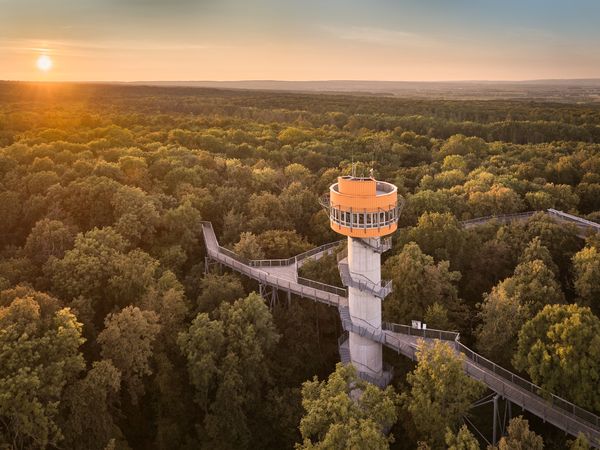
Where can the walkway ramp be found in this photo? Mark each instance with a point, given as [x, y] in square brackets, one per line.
[584, 227]
[550, 408]
[282, 274]
[276, 274]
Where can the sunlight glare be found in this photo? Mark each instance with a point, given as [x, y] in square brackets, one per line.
[44, 63]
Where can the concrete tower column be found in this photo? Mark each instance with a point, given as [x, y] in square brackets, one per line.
[364, 306]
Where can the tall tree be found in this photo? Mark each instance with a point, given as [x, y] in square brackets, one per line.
[462, 440]
[39, 356]
[248, 247]
[48, 238]
[580, 443]
[346, 412]
[440, 392]
[217, 289]
[586, 271]
[520, 437]
[228, 365]
[88, 407]
[515, 300]
[439, 235]
[418, 283]
[128, 341]
[560, 350]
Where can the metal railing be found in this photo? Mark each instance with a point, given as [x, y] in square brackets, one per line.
[381, 246]
[325, 248]
[364, 330]
[566, 415]
[500, 218]
[522, 383]
[362, 283]
[578, 221]
[322, 286]
[430, 333]
[382, 380]
[311, 289]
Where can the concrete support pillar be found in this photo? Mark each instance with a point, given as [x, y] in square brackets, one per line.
[364, 307]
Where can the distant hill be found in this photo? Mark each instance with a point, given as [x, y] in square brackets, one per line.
[554, 90]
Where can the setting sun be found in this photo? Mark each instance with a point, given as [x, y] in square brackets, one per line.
[44, 63]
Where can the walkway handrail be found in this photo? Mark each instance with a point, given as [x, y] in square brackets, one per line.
[498, 217]
[317, 250]
[554, 213]
[430, 333]
[322, 286]
[316, 291]
[507, 375]
[567, 406]
[572, 218]
[508, 384]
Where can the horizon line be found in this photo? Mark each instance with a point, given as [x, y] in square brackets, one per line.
[325, 80]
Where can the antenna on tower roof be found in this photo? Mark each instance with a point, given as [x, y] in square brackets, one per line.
[353, 168]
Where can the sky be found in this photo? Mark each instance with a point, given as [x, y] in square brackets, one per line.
[413, 40]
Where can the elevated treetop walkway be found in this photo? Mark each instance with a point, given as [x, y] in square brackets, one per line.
[584, 226]
[282, 274]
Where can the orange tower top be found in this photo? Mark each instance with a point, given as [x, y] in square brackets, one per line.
[362, 207]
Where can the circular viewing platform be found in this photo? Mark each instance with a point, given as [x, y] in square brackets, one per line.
[362, 207]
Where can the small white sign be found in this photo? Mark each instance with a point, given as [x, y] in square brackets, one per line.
[416, 324]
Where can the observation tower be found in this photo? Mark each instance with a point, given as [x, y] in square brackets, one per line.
[366, 211]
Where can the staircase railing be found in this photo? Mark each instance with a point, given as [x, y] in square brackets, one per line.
[378, 380]
[382, 246]
[362, 283]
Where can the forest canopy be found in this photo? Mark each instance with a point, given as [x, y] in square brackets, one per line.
[115, 334]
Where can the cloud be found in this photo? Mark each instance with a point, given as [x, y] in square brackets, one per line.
[62, 47]
[379, 36]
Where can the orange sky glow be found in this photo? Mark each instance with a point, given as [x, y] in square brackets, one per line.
[381, 40]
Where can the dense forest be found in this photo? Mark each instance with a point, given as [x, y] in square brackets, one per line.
[113, 335]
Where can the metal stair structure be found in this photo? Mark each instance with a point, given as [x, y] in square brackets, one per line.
[359, 281]
[382, 246]
[405, 340]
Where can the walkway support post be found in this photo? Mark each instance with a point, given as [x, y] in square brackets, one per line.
[495, 425]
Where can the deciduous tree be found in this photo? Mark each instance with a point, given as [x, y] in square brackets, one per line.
[520, 437]
[463, 440]
[346, 412]
[440, 392]
[128, 341]
[560, 350]
[418, 283]
[586, 271]
[39, 356]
